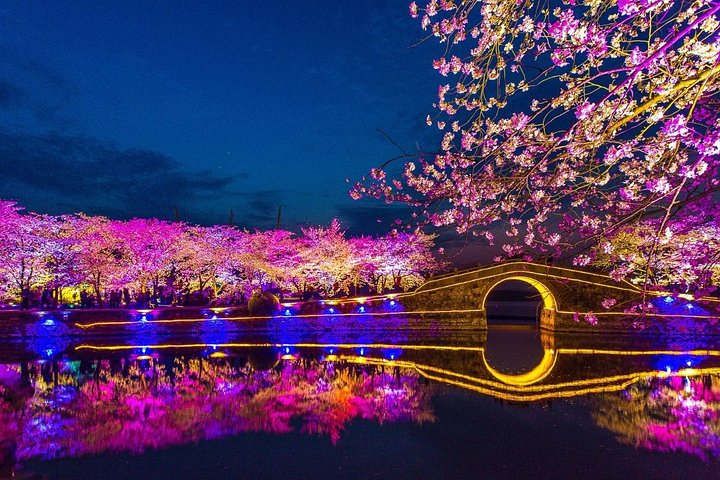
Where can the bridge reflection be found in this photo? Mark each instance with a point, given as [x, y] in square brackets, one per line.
[128, 396]
[567, 366]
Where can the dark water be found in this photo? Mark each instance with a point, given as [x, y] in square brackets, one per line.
[514, 402]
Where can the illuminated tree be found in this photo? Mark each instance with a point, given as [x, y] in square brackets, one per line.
[686, 256]
[149, 249]
[565, 121]
[205, 257]
[145, 256]
[27, 243]
[63, 264]
[265, 257]
[98, 255]
[397, 260]
[326, 258]
[161, 404]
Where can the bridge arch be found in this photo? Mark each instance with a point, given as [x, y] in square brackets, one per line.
[566, 293]
[548, 298]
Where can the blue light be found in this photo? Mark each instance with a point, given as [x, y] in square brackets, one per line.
[214, 317]
[331, 310]
[362, 351]
[668, 299]
[392, 354]
[144, 349]
[49, 352]
[214, 347]
[676, 363]
[690, 306]
[143, 318]
[287, 350]
[49, 322]
[361, 309]
[393, 303]
[287, 312]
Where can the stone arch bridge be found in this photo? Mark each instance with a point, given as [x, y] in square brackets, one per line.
[570, 297]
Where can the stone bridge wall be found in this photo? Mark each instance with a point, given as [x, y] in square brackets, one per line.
[574, 294]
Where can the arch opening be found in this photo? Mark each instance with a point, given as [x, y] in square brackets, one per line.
[546, 296]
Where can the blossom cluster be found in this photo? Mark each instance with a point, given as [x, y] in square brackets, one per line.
[564, 121]
[684, 256]
[151, 256]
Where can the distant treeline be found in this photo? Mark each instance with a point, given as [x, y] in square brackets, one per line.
[47, 258]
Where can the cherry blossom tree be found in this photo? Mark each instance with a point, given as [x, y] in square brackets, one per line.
[264, 258]
[221, 263]
[406, 259]
[563, 122]
[63, 264]
[205, 257]
[150, 248]
[686, 255]
[397, 260]
[326, 258]
[27, 244]
[99, 254]
[194, 399]
[666, 414]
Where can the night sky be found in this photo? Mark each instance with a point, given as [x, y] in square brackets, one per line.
[135, 108]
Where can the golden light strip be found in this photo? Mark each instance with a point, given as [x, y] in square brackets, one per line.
[573, 393]
[241, 319]
[638, 314]
[530, 398]
[411, 312]
[280, 345]
[532, 264]
[556, 386]
[593, 351]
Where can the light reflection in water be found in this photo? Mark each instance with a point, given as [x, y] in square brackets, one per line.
[133, 402]
[513, 349]
[666, 414]
[151, 395]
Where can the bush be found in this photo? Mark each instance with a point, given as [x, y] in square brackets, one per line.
[263, 303]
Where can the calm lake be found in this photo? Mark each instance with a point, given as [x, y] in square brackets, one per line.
[512, 402]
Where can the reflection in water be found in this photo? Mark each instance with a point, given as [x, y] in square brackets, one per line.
[97, 398]
[513, 349]
[71, 408]
[666, 414]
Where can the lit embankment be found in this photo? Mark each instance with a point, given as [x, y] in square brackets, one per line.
[572, 301]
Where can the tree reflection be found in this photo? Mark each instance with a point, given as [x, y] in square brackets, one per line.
[71, 408]
[666, 414]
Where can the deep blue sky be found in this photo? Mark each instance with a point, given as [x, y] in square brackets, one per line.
[132, 108]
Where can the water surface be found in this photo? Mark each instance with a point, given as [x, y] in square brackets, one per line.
[514, 402]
